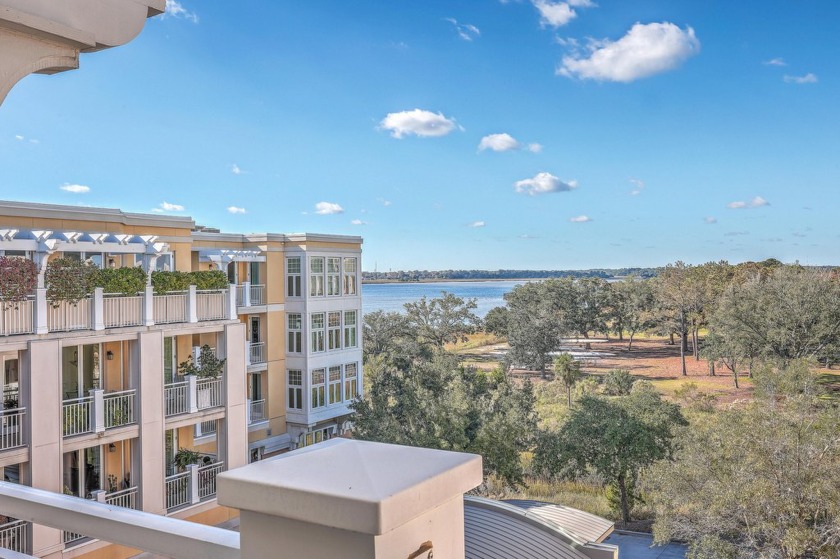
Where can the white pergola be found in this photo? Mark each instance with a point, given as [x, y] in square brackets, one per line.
[222, 256]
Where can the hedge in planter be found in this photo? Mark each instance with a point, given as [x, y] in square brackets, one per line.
[167, 282]
[69, 280]
[128, 280]
[18, 278]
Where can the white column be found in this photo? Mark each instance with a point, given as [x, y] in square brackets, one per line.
[236, 420]
[231, 310]
[147, 375]
[248, 412]
[192, 469]
[98, 308]
[192, 393]
[97, 416]
[41, 311]
[192, 308]
[149, 306]
[98, 495]
[246, 293]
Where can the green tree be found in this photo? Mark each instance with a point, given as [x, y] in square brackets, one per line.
[386, 332]
[583, 304]
[496, 321]
[615, 437]
[618, 382]
[535, 326]
[632, 307]
[759, 480]
[442, 320]
[567, 370]
[677, 299]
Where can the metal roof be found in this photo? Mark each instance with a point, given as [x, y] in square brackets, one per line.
[583, 526]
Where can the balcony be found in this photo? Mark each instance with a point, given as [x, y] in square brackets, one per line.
[196, 484]
[126, 498]
[98, 412]
[14, 535]
[250, 295]
[256, 353]
[256, 411]
[193, 395]
[11, 428]
[98, 311]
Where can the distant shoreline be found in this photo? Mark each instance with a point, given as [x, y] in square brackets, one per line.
[466, 280]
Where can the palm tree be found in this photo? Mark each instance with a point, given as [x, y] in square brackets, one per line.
[568, 371]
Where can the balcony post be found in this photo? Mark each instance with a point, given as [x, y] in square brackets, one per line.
[192, 309]
[248, 410]
[149, 306]
[97, 416]
[192, 393]
[231, 310]
[98, 308]
[193, 477]
[41, 311]
[246, 293]
[98, 495]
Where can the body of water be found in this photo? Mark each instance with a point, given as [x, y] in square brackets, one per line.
[392, 296]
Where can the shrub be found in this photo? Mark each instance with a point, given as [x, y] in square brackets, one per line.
[18, 278]
[129, 280]
[207, 366]
[69, 280]
[167, 282]
[618, 382]
[209, 279]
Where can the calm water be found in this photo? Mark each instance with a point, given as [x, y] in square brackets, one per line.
[391, 296]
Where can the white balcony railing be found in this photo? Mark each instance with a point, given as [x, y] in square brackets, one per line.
[170, 308]
[257, 410]
[210, 305]
[207, 479]
[77, 414]
[17, 318]
[240, 295]
[210, 393]
[70, 537]
[121, 310]
[127, 498]
[178, 490]
[176, 398]
[13, 535]
[256, 353]
[119, 408]
[64, 316]
[11, 428]
[257, 295]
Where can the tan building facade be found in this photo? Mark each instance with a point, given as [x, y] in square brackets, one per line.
[96, 404]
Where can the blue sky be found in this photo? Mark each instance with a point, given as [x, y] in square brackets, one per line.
[460, 134]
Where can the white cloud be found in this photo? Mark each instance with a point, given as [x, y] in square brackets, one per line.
[543, 183]
[645, 50]
[417, 122]
[807, 78]
[358, 222]
[328, 208]
[167, 207]
[236, 170]
[535, 147]
[18, 137]
[75, 188]
[34, 141]
[236, 210]
[498, 142]
[477, 224]
[775, 62]
[384, 202]
[709, 220]
[466, 31]
[175, 9]
[580, 219]
[639, 186]
[756, 202]
[558, 14]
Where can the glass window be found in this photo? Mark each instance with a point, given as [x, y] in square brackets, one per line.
[316, 277]
[293, 277]
[334, 330]
[295, 333]
[317, 332]
[333, 276]
[335, 384]
[318, 388]
[295, 383]
[349, 276]
[351, 381]
[349, 328]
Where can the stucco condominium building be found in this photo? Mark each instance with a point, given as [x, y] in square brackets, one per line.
[94, 403]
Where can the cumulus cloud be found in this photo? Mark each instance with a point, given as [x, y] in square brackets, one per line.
[358, 222]
[477, 224]
[236, 210]
[328, 208]
[75, 188]
[417, 122]
[775, 62]
[167, 207]
[558, 14]
[756, 202]
[535, 147]
[709, 220]
[638, 187]
[645, 50]
[543, 183]
[807, 78]
[506, 142]
[236, 170]
[580, 219]
[466, 31]
[175, 9]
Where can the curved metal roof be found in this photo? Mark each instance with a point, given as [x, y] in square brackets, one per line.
[583, 526]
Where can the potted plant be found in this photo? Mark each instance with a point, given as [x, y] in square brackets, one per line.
[186, 457]
[208, 366]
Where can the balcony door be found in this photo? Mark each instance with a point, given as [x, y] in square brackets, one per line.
[82, 472]
[232, 272]
[10, 386]
[81, 370]
[254, 273]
